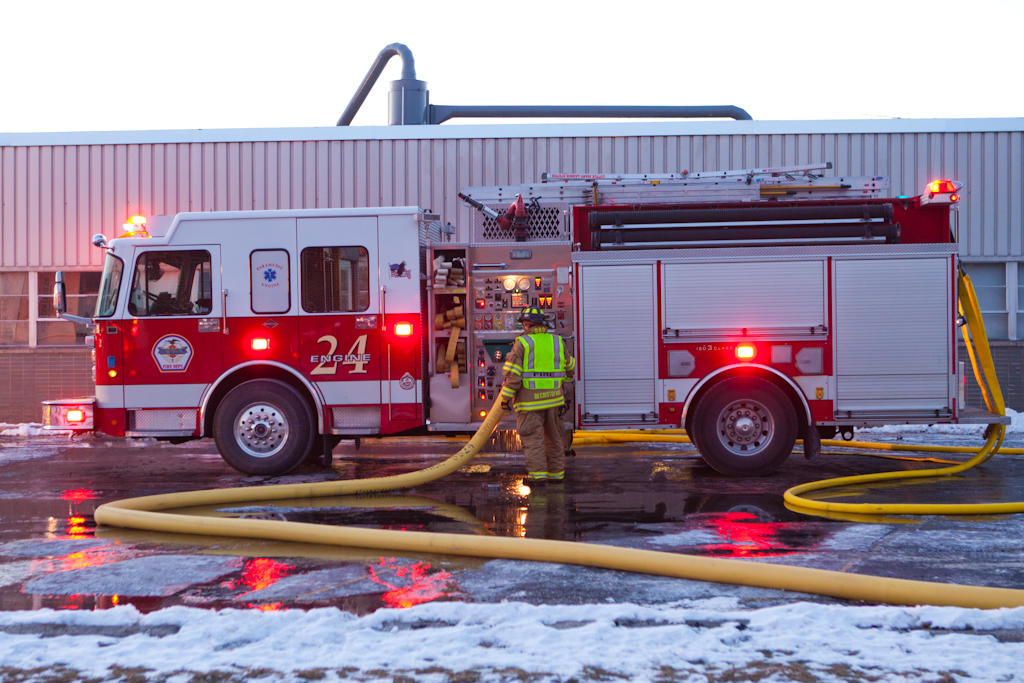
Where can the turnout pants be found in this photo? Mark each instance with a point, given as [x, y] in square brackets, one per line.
[542, 434]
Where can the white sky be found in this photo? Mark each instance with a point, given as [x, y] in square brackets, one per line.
[72, 66]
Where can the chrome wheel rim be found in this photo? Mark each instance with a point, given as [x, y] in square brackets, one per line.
[745, 427]
[261, 430]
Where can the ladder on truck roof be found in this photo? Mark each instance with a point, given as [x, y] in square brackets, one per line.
[743, 185]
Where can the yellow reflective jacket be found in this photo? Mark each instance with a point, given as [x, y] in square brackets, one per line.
[535, 371]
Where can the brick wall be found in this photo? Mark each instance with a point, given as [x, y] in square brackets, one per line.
[30, 376]
[1009, 361]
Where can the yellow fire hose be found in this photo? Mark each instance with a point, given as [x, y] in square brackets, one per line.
[149, 513]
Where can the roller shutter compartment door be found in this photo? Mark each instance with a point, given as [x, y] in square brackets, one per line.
[618, 343]
[892, 335]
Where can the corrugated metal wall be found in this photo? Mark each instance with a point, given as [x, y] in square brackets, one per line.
[56, 196]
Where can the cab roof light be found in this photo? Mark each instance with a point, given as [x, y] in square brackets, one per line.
[138, 220]
[403, 329]
[944, 186]
[745, 352]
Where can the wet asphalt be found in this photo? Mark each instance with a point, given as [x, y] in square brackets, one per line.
[649, 495]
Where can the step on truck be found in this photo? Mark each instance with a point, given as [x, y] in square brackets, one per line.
[752, 308]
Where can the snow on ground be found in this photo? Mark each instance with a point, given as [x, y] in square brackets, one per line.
[28, 429]
[696, 639]
[1015, 427]
[445, 641]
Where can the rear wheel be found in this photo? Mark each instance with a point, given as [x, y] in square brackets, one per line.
[745, 426]
[263, 427]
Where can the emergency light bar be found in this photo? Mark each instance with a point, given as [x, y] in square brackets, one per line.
[135, 227]
[941, 192]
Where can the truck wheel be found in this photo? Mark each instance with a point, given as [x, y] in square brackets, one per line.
[745, 426]
[263, 427]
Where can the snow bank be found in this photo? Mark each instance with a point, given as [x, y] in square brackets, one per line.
[1015, 427]
[508, 641]
[27, 429]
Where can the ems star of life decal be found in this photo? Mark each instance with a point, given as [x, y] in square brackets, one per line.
[172, 353]
[407, 382]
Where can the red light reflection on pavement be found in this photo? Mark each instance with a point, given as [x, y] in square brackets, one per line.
[257, 574]
[748, 535]
[422, 587]
[270, 607]
[78, 495]
[75, 528]
[262, 572]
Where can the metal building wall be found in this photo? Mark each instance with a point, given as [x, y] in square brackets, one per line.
[55, 196]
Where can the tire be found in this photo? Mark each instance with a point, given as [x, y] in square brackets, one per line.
[745, 426]
[263, 427]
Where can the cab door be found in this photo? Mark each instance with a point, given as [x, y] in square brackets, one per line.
[339, 318]
[172, 341]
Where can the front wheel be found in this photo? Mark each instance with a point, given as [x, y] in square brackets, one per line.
[263, 427]
[745, 426]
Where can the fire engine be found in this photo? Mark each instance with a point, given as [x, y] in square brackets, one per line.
[752, 308]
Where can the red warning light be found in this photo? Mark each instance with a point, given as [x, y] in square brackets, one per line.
[745, 352]
[942, 187]
[403, 329]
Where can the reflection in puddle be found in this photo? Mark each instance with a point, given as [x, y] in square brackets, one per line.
[78, 495]
[260, 573]
[419, 585]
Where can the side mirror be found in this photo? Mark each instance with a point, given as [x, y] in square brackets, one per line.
[99, 241]
[60, 297]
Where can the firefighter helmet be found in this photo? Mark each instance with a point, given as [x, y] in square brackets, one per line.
[532, 314]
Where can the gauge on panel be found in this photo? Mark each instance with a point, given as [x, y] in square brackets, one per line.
[524, 283]
[509, 284]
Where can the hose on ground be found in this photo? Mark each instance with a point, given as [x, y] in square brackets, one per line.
[976, 341]
[149, 513]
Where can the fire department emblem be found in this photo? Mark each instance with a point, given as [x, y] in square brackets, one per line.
[172, 353]
[407, 382]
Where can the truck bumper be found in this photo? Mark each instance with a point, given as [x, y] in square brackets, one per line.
[75, 414]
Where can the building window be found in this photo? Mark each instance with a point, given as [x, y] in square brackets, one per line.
[14, 309]
[81, 291]
[335, 279]
[989, 280]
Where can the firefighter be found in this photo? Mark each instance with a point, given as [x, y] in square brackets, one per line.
[534, 373]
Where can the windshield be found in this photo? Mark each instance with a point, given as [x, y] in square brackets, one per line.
[110, 285]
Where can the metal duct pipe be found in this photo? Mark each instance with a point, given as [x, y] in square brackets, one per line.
[439, 113]
[408, 75]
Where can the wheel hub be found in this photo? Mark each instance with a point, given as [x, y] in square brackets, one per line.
[261, 430]
[745, 427]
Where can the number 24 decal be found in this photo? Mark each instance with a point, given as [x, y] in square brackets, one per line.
[328, 364]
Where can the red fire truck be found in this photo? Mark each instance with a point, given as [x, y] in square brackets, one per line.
[750, 307]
